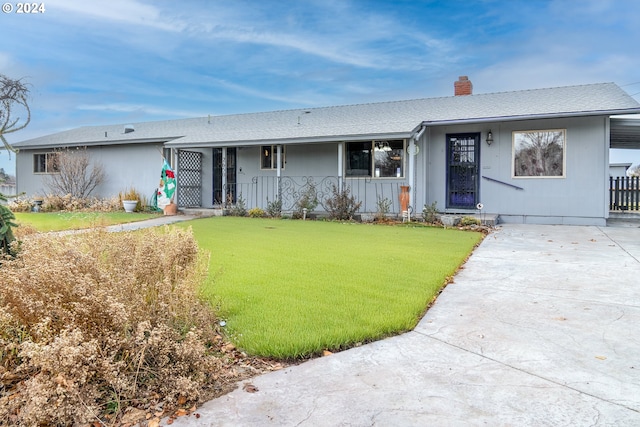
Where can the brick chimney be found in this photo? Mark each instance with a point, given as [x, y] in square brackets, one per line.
[463, 86]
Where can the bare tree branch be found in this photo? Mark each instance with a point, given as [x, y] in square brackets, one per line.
[75, 174]
[13, 93]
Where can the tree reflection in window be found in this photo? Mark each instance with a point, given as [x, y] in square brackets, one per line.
[384, 158]
[538, 153]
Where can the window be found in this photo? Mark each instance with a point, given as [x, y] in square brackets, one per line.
[45, 163]
[358, 159]
[166, 153]
[377, 159]
[539, 153]
[269, 156]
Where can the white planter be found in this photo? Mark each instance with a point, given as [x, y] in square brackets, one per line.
[129, 205]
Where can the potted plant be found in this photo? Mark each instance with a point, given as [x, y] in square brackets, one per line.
[37, 204]
[130, 200]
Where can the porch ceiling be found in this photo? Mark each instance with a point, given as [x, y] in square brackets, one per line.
[625, 133]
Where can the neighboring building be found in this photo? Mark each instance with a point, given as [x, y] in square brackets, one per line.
[532, 156]
[8, 189]
[618, 169]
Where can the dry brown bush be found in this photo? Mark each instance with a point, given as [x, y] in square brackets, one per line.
[93, 323]
[68, 203]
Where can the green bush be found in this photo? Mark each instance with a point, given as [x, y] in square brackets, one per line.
[6, 225]
[429, 213]
[383, 208]
[239, 208]
[274, 208]
[469, 220]
[341, 205]
[308, 200]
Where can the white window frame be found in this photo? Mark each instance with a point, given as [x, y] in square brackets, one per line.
[49, 163]
[272, 151]
[518, 140]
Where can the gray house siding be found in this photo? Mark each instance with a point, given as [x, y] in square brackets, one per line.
[576, 198]
[126, 166]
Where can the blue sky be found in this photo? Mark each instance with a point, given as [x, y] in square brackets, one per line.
[123, 61]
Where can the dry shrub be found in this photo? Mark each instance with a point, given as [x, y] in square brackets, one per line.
[24, 230]
[95, 322]
[67, 203]
[20, 204]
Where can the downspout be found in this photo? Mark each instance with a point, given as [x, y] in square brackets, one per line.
[412, 152]
[340, 165]
[278, 169]
[607, 144]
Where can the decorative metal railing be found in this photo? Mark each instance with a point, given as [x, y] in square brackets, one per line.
[291, 189]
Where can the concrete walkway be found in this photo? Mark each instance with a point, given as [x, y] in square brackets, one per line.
[153, 222]
[540, 328]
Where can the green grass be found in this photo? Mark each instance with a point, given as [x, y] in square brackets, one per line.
[59, 221]
[290, 289]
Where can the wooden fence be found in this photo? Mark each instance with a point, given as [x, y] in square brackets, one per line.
[624, 193]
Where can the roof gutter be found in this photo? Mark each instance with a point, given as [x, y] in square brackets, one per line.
[313, 140]
[417, 136]
[532, 117]
[45, 146]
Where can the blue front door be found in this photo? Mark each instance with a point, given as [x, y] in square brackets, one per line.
[462, 170]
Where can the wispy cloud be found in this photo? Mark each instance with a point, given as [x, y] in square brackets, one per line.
[139, 108]
[95, 62]
[5, 61]
[123, 11]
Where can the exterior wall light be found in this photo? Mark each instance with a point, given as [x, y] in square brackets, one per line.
[489, 138]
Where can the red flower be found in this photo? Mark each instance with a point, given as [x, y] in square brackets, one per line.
[169, 173]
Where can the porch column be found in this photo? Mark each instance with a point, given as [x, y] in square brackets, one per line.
[224, 176]
[340, 164]
[278, 169]
[176, 167]
[411, 173]
[412, 152]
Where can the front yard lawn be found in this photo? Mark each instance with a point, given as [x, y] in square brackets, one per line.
[291, 289]
[58, 221]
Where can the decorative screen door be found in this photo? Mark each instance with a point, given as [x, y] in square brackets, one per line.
[221, 195]
[189, 178]
[462, 170]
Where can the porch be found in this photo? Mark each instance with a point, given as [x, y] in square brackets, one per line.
[291, 191]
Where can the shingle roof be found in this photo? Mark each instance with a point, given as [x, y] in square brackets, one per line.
[395, 118]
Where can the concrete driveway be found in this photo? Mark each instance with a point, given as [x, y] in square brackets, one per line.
[540, 328]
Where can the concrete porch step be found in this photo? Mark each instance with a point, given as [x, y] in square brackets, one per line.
[624, 219]
[453, 219]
